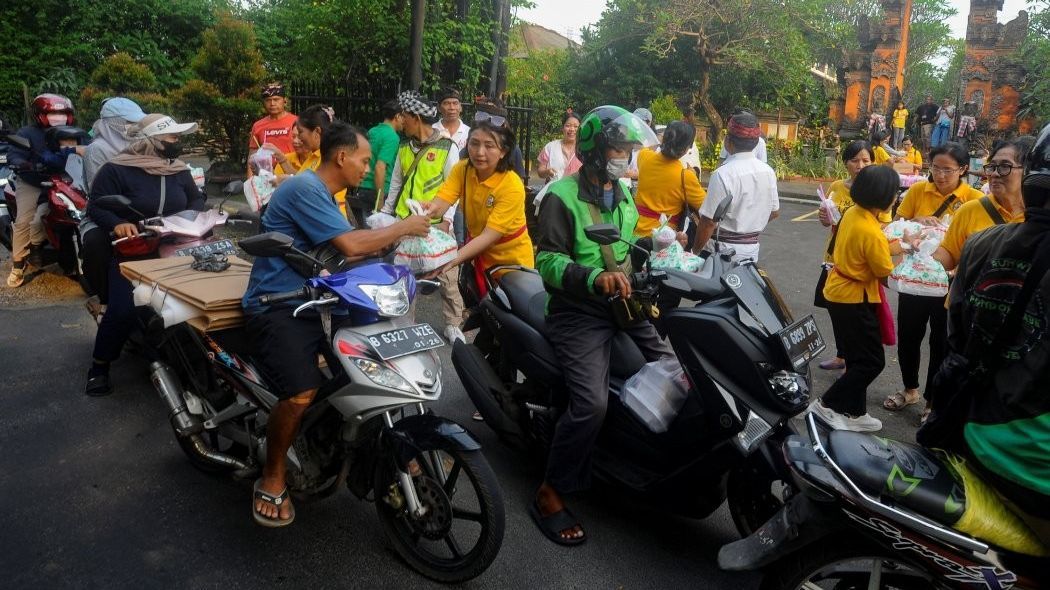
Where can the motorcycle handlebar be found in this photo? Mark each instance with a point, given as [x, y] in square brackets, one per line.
[281, 297]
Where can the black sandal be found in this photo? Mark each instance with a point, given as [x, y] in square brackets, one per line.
[98, 386]
[276, 501]
[552, 525]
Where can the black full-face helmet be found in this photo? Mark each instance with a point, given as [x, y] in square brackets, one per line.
[1035, 187]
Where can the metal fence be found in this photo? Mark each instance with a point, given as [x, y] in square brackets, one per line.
[360, 104]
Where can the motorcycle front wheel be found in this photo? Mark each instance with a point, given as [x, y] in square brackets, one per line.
[844, 562]
[461, 529]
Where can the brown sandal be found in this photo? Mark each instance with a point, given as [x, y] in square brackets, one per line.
[898, 400]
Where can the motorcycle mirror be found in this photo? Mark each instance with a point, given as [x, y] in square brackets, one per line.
[604, 234]
[267, 245]
[233, 187]
[19, 141]
[721, 209]
[118, 204]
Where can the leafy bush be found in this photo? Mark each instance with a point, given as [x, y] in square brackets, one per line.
[665, 109]
[223, 95]
[120, 74]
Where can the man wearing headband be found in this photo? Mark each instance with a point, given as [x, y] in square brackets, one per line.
[423, 162]
[752, 186]
[276, 127]
[450, 108]
[760, 147]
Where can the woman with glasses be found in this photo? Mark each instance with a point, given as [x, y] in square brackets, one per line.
[492, 110]
[929, 202]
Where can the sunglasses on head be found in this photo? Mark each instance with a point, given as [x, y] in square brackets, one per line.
[482, 116]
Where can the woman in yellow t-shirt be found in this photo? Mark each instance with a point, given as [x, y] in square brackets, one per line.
[900, 121]
[290, 163]
[856, 156]
[312, 123]
[664, 186]
[492, 198]
[928, 203]
[862, 260]
[912, 155]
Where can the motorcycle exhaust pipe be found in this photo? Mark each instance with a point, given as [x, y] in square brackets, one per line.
[187, 425]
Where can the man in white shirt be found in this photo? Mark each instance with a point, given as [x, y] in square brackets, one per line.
[760, 147]
[752, 186]
[450, 108]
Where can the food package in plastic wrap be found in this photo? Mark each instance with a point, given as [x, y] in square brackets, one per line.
[423, 255]
[676, 258]
[663, 236]
[655, 394]
[379, 220]
[894, 231]
[919, 273]
[258, 189]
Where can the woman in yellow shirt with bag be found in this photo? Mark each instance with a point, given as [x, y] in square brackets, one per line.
[492, 198]
[927, 203]
[664, 186]
[862, 260]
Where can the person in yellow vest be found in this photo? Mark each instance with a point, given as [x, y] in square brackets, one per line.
[424, 160]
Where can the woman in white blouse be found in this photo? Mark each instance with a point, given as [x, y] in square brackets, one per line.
[558, 158]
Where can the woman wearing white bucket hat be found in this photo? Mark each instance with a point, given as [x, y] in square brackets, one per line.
[149, 173]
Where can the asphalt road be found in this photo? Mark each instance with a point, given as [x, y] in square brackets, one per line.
[96, 493]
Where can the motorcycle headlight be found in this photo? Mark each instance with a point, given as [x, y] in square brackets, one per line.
[71, 209]
[383, 376]
[790, 388]
[392, 300]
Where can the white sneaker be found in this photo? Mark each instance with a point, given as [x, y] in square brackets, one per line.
[17, 277]
[453, 333]
[839, 421]
[828, 416]
[865, 423]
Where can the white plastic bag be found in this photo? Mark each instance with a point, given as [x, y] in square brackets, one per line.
[675, 257]
[919, 273]
[656, 393]
[663, 236]
[258, 189]
[379, 220]
[829, 207]
[261, 160]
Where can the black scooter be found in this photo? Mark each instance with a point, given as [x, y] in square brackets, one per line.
[743, 353]
[871, 512]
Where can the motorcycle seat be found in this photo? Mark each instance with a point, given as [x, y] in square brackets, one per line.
[910, 475]
[528, 301]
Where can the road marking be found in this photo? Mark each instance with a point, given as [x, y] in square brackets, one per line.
[806, 216]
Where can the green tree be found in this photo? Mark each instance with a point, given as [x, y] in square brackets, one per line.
[121, 75]
[746, 39]
[1033, 56]
[223, 95]
[42, 38]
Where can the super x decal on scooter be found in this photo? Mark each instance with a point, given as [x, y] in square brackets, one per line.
[981, 576]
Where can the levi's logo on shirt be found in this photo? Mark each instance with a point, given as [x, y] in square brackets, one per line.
[273, 132]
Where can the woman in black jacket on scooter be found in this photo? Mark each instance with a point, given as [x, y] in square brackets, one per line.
[150, 174]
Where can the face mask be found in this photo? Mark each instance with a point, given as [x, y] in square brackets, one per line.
[617, 168]
[56, 119]
[169, 149]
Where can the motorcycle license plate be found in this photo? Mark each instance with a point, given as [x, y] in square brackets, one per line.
[220, 246]
[402, 341]
[802, 341]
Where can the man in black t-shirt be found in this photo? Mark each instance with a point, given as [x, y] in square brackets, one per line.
[927, 114]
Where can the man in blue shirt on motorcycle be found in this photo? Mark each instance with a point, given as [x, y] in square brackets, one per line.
[304, 208]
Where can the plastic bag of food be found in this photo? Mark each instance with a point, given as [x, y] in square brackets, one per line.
[663, 235]
[894, 231]
[828, 206]
[919, 273]
[656, 393]
[423, 255]
[261, 161]
[258, 189]
[379, 220]
[676, 258]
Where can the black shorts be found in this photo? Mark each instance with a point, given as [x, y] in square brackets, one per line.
[288, 348]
